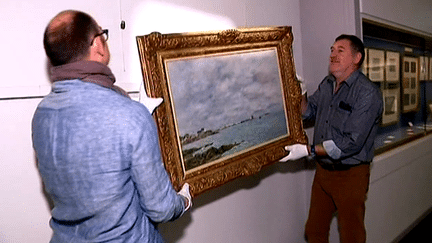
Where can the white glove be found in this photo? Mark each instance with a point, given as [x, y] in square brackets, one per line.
[150, 103]
[296, 151]
[185, 192]
[302, 85]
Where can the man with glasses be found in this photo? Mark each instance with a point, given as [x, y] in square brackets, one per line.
[97, 150]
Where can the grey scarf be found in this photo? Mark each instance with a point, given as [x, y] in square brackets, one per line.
[87, 71]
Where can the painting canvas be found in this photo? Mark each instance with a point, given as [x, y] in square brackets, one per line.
[231, 101]
[235, 102]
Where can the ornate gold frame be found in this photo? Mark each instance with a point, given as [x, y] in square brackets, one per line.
[155, 49]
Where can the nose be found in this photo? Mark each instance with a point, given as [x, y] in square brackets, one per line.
[332, 54]
[332, 58]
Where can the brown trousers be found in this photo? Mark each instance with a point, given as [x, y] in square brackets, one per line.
[343, 192]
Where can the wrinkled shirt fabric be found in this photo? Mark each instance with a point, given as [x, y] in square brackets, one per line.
[99, 159]
[346, 122]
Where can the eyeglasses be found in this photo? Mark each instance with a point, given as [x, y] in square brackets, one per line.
[104, 34]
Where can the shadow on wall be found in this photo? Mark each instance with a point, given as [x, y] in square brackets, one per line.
[168, 18]
[173, 231]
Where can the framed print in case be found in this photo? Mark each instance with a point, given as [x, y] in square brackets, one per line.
[391, 106]
[430, 68]
[410, 84]
[392, 66]
[424, 67]
[365, 63]
[376, 65]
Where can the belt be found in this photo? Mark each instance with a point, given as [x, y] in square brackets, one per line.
[340, 167]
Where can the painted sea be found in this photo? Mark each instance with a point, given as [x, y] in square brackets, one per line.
[209, 145]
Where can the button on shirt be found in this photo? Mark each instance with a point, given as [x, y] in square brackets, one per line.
[346, 121]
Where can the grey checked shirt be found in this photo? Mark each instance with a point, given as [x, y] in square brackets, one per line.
[346, 122]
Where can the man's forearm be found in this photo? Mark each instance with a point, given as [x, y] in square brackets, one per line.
[319, 150]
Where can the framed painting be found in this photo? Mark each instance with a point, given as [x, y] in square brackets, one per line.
[231, 101]
[376, 65]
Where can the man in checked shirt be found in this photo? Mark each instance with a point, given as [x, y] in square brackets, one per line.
[347, 109]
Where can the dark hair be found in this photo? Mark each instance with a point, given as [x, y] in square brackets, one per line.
[356, 45]
[68, 36]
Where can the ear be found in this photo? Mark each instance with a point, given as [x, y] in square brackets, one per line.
[98, 51]
[357, 58]
[96, 48]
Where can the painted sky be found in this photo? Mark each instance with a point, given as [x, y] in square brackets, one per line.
[213, 91]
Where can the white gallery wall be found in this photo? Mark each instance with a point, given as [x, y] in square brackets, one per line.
[234, 213]
[268, 207]
[412, 15]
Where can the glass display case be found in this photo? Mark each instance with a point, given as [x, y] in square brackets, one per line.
[400, 63]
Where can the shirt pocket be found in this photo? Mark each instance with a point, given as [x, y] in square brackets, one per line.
[339, 119]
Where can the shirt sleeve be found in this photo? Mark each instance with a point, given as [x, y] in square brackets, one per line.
[331, 149]
[158, 198]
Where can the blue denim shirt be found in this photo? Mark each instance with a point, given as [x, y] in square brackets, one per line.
[99, 159]
[346, 122]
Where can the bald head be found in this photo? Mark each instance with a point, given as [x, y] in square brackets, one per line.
[68, 37]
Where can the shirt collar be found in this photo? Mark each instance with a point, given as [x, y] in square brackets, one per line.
[349, 81]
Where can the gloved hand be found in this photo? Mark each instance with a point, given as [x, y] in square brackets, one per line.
[296, 151]
[150, 103]
[302, 85]
[185, 192]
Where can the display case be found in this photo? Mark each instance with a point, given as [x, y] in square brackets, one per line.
[399, 63]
